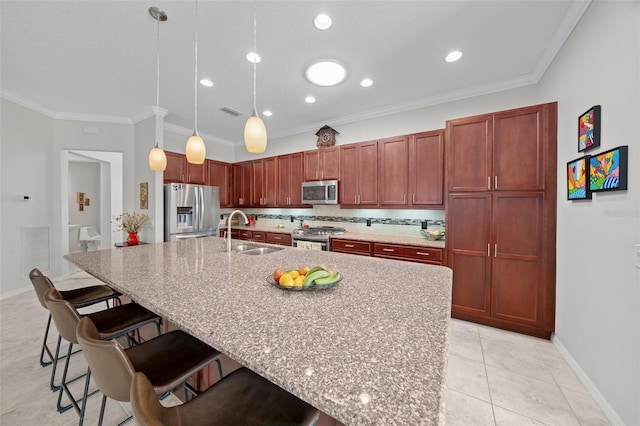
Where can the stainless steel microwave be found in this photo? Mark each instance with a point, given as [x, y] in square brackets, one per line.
[320, 192]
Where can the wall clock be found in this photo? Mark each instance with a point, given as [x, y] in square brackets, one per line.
[326, 137]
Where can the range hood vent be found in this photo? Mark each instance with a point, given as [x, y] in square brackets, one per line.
[231, 111]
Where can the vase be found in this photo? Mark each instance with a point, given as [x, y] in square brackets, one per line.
[133, 238]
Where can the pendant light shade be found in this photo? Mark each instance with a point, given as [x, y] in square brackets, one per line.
[255, 133]
[157, 157]
[196, 149]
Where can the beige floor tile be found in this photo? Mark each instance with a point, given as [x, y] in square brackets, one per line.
[509, 418]
[516, 356]
[585, 408]
[465, 342]
[464, 410]
[468, 376]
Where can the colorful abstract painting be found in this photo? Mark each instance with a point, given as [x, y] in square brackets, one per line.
[577, 178]
[608, 171]
[589, 129]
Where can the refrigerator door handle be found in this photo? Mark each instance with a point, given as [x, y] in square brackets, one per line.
[202, 208]
[196, 209]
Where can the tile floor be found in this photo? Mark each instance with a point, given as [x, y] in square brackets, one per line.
[495, 377]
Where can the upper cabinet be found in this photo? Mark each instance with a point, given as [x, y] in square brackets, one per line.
[359, 174]
[180, 170]
[426, 169]
[242, 184]
[220, 175]
[322, 164]
[394, 171]
[290, 177]
[499, 152]
[264, 181]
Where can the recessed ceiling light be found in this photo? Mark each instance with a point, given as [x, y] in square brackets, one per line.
[327, 72]
[253, 57]
[453, 56]
[322, 21]
[309, 99]
[367, 82]
[267, 113]
[206, 82]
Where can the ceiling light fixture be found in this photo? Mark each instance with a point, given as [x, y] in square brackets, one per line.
[267, 113]
[157, 157]
[366, 82]
[309, 99]
[206, 82]
[253, 57]
[327, 72]
[453, 56]
[196, 149]
[255, 133]
[322, 21]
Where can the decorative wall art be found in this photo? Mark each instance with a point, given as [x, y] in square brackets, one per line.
[87, 202]
[80, 200]
[608, 170]
[144, 195]
[578, 179]
[589, 129]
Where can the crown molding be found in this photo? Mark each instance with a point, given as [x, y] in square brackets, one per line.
[206, 137]
[148, 113]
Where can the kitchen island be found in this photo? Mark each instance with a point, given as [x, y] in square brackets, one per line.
[371, 350]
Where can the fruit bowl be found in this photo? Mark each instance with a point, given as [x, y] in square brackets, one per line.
[305, 279]
[432, 235]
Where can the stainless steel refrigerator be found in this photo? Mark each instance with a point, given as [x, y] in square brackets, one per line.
[190, 211]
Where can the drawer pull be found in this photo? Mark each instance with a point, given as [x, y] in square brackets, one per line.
[388, 249]
[422, 253]
[349, 245]
[277, 238]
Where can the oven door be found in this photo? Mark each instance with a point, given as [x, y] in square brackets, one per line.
[310, 244]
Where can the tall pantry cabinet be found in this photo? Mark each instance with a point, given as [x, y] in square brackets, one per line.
[501, 218]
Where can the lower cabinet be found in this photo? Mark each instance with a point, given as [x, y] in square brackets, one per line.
[363, 248]
[278, 238]
[430, 255]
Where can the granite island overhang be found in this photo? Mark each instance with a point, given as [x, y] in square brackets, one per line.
[372, 349]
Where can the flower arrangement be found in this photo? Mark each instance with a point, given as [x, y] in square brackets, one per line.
[131, 222]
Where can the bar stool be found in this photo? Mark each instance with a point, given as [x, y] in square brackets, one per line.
[167, 360]
[241, 398]
[112, 323]
[80, 298]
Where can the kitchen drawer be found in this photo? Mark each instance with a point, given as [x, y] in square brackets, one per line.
[245, 235]
[362, 248]
[410, 253]
[259, 236]
[277, 238]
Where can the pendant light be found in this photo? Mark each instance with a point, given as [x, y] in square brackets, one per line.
[255, 134]
[157, 157]
[196, 149]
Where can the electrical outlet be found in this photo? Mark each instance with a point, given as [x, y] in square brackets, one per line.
[291, 219]
[424, 224]
[368, 222]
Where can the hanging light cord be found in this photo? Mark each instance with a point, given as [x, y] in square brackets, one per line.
[255, 63]
[158, 70]
[195, 79]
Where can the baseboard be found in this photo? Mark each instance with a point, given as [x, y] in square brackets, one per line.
[591, 387]
[12, 293]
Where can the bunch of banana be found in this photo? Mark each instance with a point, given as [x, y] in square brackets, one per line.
[318, 275]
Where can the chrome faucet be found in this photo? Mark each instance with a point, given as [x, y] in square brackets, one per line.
[228, 236]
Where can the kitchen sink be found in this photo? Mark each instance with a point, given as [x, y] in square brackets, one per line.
[255, 249]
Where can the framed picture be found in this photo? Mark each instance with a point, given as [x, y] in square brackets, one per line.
[87, 202]
[608, 171]
[144, 195]
[578, 179]
[80, 197]
[589, 129]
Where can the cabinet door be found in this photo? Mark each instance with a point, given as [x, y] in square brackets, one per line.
[269, 181]
[516, 282]
[468, 251]
[469, 153]
[368, 173]
[348, 189]
[257, 170]
[311, 165]
[518, 149]
[394, 171]
[176, 168]
[426, 168]
[329, 163]
[220, 176]
[197, 173]
[242, 184]
[296, 171]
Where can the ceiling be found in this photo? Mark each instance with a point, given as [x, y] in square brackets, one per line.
[96, 60]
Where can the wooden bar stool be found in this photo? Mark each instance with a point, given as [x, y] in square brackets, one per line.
[79, 298]
[115, 322]
[241, 398]
[167, 360]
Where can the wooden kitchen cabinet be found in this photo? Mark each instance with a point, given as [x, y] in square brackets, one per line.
[220, 175]
[263, 182]
[394, 171]
[362, 248]
[242, 184]
[501, 221]
[278, 238]
[290, 177]
[426, 169]
[322, 164]
[430, 255]
[359, 174]
[181, 171]
[244, 234]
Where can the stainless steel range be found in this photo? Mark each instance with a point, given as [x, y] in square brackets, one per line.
[317, 237]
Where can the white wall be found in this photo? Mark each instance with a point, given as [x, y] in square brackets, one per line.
[84, 177]
[598, 285]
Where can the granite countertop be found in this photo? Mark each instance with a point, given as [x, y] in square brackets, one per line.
[371, 350]
[359, 236]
